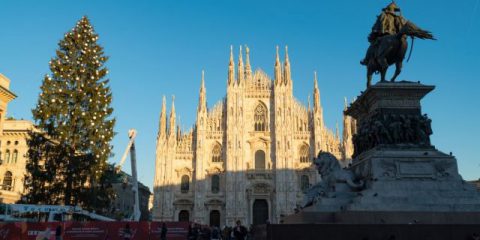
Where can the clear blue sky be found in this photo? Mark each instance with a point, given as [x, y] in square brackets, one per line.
[160, 47]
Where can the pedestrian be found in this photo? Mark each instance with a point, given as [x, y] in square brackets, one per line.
[58, 233]
[239, 232]
[215, 233]
[163, 233]
[191, 235]
[225, 233]
[251, 232]
[127, 232]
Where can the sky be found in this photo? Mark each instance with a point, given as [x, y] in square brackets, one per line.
[159, 48]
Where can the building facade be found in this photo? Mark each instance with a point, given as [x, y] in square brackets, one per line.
[13, 152]
[249, 157]
[11, 149]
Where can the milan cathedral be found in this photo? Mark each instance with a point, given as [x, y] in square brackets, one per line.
[248, 158]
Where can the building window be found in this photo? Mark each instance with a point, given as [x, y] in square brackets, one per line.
[304, 154]
[259, 160]
[15, 156]
[185, 184]
[217, 153]
[215, 183]
[260, 118]
[7, 156]
[7, 181]
[304, 183]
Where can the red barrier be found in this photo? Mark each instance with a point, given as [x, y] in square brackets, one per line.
[92, 230]
[10, 231]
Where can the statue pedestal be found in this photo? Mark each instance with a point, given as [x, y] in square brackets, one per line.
[405, 178]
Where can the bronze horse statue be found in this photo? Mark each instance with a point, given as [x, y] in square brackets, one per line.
[391, 49]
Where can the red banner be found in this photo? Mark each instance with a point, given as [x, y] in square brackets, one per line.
[93, 230]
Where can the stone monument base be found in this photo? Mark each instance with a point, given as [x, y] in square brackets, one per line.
[368, 231]
[404, 180]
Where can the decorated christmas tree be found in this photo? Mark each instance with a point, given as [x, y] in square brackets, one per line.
[68, 156]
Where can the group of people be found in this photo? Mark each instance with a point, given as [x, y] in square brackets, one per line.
[238, 232]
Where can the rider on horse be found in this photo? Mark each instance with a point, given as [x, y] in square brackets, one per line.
[388, 23]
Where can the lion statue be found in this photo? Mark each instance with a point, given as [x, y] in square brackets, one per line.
[328, 167]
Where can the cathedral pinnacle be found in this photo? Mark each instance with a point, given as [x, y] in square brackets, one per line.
[162, 128]
[288, 75]
[277, 59]
[278, 70]
[172, 118]
[316, 94]
[202, 102]
[241, 70]
[248, 68]
[231, 68]
[287, 61]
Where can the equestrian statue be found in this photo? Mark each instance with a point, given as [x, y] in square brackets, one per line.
[388, 42]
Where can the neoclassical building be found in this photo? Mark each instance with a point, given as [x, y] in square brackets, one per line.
[11, 150]
[249, 157]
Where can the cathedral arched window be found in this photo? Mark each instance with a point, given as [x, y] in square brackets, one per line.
[7, 156]
[304, 183]
[259, 160]
[261, 118]
[7, 181]
[215, 183]
[217, 153]
[304, 154]
[185, 185]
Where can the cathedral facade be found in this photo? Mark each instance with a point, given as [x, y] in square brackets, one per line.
[248, 158]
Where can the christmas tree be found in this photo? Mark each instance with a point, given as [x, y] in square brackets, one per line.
[68, 157]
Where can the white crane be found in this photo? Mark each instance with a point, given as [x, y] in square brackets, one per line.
[132, 133]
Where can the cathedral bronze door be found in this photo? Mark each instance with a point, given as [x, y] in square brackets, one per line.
[184, 216]
[260, 211]
[215, 218]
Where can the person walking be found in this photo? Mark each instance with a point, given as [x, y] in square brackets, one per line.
[58, 233]
[215, 233]
[239, 232]
[127, 232]
[163, 233]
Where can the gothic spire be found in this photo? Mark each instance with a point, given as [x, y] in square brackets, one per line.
[248, 68]
[288, 74]
[316, 94]
[231, 68]
[202, 101]
[162, 128]
[278, 70]
[172, 124]
[241, 69]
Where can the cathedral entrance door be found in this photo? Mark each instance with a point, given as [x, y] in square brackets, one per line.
[183, 216]
[215, 218]
[260, 211]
